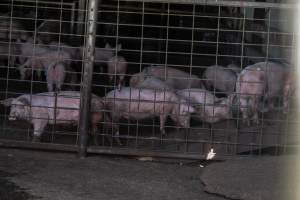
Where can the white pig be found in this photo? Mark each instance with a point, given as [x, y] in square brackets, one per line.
[43, 61]
[30, 48]
[175, 78]
[117, 66]
[263, 80]
[40, 110]
[208, 108]
[220, 78]
[134, 103]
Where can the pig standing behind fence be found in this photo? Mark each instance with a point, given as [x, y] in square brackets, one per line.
[208, 108]
[261, 81]
[53, 62]
[137, 104]
[175, 78]
[47, 108]
[117, 67]
[28, 50]
[220, 78]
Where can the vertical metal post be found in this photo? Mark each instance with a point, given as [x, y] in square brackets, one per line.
[88, 60]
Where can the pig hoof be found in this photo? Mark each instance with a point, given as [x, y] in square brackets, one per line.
[36, 139]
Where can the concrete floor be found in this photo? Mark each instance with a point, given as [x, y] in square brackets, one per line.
[26, 174]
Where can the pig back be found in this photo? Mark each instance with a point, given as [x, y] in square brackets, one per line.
[175, 78]
[139, 103]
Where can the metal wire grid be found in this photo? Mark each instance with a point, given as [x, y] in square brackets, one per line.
[32, 19]
[179, 39]
[184, 55]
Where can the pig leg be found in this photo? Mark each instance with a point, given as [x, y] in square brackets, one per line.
[254, 109]
[96, 118]
[114, 127]
[244, 107]
[50, 86]
[286, 103]
[162, 118]
[58, 86]
[39, 74]
[121, 80]
[111, 77]
[38, 128]
[49, 83]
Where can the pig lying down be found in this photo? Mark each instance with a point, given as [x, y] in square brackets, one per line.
[136, 104]
[174, 78]
[39, 110]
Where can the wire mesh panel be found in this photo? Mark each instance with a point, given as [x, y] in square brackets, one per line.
[40, 55]
[200, 53]
[169, 79]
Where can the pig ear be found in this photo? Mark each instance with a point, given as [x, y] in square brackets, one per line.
[7, 102]
[24, 101]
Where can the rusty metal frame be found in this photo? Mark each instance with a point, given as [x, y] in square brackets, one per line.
[88, 60]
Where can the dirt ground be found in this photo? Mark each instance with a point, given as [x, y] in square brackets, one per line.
[26, 174]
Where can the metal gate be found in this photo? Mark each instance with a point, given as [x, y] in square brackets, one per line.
[153, 66]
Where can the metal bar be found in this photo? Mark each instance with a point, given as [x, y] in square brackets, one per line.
[87, 75]
[45, 2]
[80, 16]
[34, 145]
[72, 18]
[237, 3]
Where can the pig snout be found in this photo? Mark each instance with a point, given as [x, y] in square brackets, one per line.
[13, 114]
